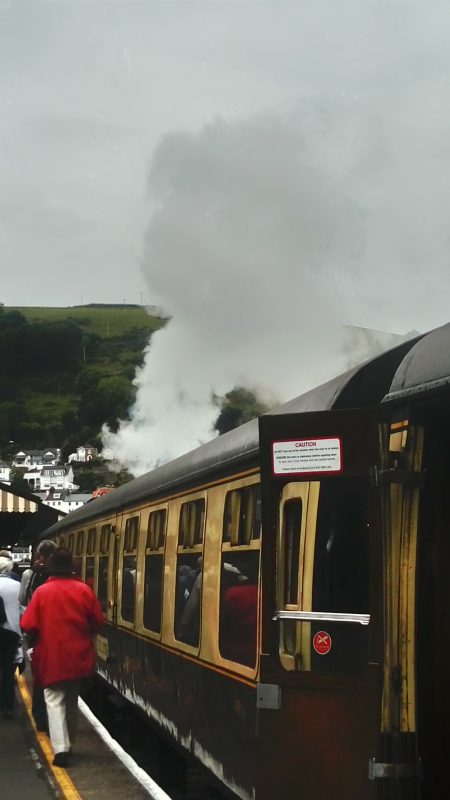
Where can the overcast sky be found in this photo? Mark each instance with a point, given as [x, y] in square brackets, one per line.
[89, 89]
[264, 170]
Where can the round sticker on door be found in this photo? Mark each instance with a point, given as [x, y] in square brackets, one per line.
[322, 643]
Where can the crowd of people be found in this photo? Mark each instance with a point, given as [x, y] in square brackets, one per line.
[51, 615]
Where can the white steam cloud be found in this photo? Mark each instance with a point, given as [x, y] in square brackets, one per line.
[268, 234]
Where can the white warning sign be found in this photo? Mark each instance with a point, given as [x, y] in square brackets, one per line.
[297, 456]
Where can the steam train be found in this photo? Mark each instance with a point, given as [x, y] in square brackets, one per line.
[278, 601]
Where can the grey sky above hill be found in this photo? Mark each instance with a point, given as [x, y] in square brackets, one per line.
[264, 170]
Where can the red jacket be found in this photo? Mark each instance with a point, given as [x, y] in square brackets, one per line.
[62, 617]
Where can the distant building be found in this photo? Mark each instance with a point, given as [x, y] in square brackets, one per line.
[5, 472]
[37, 458]
[85, 452]
[57, 478]
[107, 454]
[33, 478]
[64, 501]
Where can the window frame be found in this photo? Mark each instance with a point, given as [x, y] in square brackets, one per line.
[192, 521]
[155, 547]
[129, 548]
[308, 494]
[232, 545]
[105, 540]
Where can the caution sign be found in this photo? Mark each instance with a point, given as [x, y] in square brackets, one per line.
[322, 643]
[300, 456]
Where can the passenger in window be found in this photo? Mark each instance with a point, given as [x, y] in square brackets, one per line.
[238, 616]
[129, 590]
[189, 625]
[186, 580]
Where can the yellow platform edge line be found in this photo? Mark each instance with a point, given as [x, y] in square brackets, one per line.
[62, 779]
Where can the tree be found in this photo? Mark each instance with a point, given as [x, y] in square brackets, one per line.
[236, 407]
[18, 483]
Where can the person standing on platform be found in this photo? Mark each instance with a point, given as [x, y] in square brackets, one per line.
[32, 578]
[37, 574]
[13, 574]
[61, 619]
[9, 636]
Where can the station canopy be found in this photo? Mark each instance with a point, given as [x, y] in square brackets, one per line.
[23, 516]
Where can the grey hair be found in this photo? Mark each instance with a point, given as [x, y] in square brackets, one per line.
[6, 565]
[45, 548]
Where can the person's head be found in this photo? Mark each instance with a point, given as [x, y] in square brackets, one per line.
[60, 562]
[44, 550]
[6, 565]
[5, 554]
[231, 575]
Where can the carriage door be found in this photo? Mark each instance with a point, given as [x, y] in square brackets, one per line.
[322, 596]
[433, 610]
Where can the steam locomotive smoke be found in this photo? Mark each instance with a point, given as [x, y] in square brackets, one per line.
[268, 233]
[255, 250]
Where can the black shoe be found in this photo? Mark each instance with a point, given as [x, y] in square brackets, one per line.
[61, 760]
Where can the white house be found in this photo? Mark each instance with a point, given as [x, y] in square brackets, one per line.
[37, 458]
[64, 501]
[33, 478]
[86, 452]
[57, 478]
[5, 472]
[107, 454]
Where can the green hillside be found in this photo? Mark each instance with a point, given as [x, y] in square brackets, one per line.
[65, 371]
[103, 320]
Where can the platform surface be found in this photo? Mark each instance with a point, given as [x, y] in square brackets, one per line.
[95, 772]
[23, 775]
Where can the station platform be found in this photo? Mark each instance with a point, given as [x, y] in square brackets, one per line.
[23, 774]
[98, 769]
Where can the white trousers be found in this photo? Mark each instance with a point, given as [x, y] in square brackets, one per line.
[61, 700]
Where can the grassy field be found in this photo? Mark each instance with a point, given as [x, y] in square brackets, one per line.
[105, 321]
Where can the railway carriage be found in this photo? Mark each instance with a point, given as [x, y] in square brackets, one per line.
[277, 601]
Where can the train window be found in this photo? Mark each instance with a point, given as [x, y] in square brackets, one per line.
[242, 515]
[154, 570]
[129, 564]
[105, 538]
[71, 541]
[103, 565]
[341, 560]
[291, 539]
[90, 571]
[91, 539]
[156, 529]
[90, 557]
[80, 543]
[323, 567]
[192, 517]
[238, 618]
[296, 537]
[131, 534]
[238, 621]
[188, 595]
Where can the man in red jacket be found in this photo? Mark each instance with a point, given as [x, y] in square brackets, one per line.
[61, 620]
